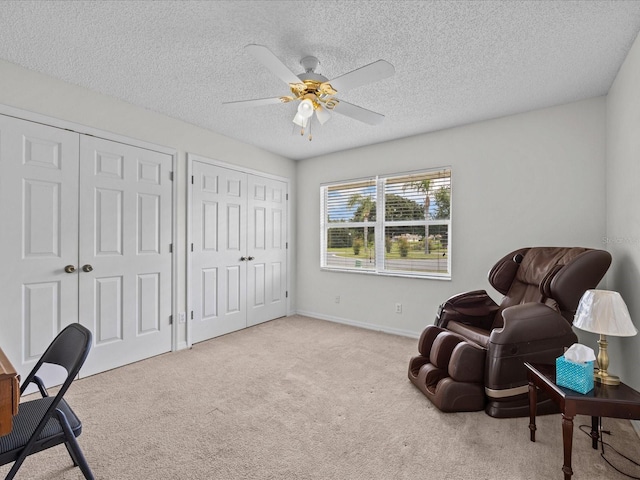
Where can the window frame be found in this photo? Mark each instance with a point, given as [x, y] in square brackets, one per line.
[380, 224]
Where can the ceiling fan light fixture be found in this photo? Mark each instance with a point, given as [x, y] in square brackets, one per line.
[300, 120]
[305, 109]
[316, 92]
[322, 115]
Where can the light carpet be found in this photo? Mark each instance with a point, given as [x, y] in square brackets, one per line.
[302, 399]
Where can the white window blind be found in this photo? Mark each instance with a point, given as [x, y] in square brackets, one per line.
[395, 225]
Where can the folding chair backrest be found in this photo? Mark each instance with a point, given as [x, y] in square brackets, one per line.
[69, 350]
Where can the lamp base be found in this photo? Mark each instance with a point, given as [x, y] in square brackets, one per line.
[604, 378]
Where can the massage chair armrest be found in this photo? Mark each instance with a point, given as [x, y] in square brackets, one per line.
[529, 322]
[474, 308]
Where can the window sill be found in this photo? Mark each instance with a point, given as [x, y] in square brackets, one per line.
[389, 273]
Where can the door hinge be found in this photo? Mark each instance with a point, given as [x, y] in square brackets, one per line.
[286, 245]
[287, 197]
[286, 294]
[170, 319]
[171, 248]
[171, 176]
[191, 314]
[192, 247]
[191, 179]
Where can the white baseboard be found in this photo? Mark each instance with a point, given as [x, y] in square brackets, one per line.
[355, 323]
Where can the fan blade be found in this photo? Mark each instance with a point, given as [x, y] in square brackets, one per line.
[322, 115]
[359, 113]
[258, 102]
[369, 73]
[273, 63]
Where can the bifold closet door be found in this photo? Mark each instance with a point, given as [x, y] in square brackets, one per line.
[124, 256]
[238, 260]
[39, 237]
[86, 227]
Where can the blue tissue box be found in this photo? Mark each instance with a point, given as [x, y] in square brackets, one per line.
[576, 376]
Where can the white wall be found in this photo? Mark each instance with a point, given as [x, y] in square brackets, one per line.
[623, 212]
[34, 92]
[532, 179]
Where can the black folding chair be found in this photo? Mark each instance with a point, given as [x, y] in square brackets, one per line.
[49, 421]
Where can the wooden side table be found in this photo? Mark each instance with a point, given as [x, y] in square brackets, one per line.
[9, 394]
[619, 401]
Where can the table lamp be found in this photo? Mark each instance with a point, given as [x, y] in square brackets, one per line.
[604, 312]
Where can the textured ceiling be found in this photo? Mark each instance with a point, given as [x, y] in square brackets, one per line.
[456, 62]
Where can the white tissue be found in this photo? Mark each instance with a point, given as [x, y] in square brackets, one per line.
[578, 353]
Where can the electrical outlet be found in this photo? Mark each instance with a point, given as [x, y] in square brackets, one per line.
[398, 308]
[337, 298]
[182, 317]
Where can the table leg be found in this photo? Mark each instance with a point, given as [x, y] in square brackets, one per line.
[567, 440]
[594, 432]
[533, 403]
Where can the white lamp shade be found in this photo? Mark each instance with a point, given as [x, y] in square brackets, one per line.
[300, 120]
[322, 115]
[604, 312]
[305, 109]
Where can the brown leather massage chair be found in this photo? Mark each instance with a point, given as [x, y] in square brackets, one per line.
[473, 357]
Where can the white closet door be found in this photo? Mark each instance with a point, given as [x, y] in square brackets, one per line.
[267, 250]
[219, 217]
[124, 256]
[39, 213]
[69, 201]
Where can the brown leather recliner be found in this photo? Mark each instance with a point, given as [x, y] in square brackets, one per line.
[473, 357]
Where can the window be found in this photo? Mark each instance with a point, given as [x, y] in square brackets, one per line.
[392, 225]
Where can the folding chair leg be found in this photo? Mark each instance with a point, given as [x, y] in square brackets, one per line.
[14, 469]
[78, 458]
[73, 447]
[72, 454]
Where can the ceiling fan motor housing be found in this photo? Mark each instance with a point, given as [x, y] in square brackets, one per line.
[310, 63]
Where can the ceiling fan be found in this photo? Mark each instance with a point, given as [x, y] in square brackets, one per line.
[316, 93]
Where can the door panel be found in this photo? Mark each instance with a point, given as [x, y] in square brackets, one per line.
[234, 289]
[219, 242]
[109, 226]
[148, 301]
[41, 304]
[109, 309]
[266, 285]
[39, 212]
[149, 226]
[233, 228]
[209, 293]
[125, 234]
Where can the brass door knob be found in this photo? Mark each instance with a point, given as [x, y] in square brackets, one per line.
[87, 268]
[70, 269]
